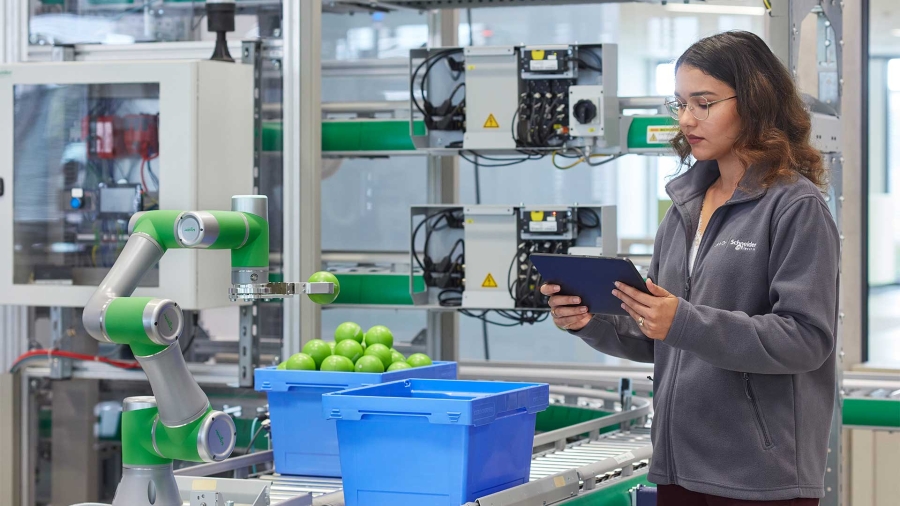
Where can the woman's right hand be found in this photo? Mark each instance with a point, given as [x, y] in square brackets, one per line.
[566, 313]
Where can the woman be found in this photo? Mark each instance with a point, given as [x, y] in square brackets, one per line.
[744, 276]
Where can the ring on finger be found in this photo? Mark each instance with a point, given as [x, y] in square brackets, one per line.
[553, 312]
[641, 321]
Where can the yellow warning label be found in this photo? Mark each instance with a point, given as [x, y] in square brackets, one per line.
[491, 122]
[559, 481]
[537, 54]
[489, 282]
[537, 215]
[661, 134]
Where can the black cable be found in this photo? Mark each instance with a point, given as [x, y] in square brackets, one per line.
[509, 162]
[584, 224]
[419, 226]
[589, 66]
[598, 68]
[428, 67]
[450, 301]
[253, 440]
[193, 337]
[193, 15]
[477, 182]
[612, 158]
[412, 79]
[469, 22]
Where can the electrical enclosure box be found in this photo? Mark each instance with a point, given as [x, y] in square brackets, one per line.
[492, 246]
[507, 99]
[86, 145]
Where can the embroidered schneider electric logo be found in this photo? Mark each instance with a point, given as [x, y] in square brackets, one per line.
[743, 245]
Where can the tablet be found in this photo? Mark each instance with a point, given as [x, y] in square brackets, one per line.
[591, 278]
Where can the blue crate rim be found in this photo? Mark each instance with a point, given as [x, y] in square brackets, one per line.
[523, 386]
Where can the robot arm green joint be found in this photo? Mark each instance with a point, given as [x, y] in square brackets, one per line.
[178, 422]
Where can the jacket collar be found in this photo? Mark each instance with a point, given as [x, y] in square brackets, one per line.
[696, 180]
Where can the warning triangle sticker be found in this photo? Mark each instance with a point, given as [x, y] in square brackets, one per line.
[489, 282]
[491, 122]
[653, 138]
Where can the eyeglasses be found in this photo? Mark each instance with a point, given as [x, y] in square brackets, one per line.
[698, 106]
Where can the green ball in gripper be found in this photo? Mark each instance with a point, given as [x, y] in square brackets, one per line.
[325, 277]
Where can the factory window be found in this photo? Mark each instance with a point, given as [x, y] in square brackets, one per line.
[134, 21]
[884, 193]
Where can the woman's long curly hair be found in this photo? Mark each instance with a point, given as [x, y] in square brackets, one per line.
[775, 124]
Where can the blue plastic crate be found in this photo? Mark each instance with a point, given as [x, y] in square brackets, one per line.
[424, 442]
[304, 442]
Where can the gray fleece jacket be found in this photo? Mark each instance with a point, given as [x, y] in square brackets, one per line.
[744, 382]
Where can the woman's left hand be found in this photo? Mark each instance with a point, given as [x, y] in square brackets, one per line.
[653, 313]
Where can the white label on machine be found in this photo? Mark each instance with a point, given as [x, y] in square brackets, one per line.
[625, 457]
[544, 64]
[661, 134]
[542, 226]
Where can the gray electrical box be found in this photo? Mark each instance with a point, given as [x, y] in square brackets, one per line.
[478, 257]
[507, 99]
[492, 92]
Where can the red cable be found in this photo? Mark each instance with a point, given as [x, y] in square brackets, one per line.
[122, 364]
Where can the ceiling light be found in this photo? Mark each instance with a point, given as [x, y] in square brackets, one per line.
[716, 9]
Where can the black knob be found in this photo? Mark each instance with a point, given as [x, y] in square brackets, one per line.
[585, 111]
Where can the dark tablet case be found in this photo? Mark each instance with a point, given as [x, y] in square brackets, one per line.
[591, 278]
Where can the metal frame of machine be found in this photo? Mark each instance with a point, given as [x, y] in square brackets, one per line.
[196, 168]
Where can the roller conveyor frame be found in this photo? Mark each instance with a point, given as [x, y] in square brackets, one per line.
[587, 471]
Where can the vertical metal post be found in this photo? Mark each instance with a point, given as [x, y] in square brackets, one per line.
[302, 28]
[60, 320]
[784, 37]
[74, 465]
[28, 414]
[248, 334]
[10, 434]
[443, 188]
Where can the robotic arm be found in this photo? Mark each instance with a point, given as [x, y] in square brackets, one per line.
[177, 422]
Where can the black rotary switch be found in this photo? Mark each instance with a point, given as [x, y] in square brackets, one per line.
[584, 111]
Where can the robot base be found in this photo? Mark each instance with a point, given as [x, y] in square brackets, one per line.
[147, 486]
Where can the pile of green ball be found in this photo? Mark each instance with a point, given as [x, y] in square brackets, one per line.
[353, 350]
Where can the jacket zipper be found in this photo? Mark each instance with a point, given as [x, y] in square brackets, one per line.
[756, 411]
[687, 296]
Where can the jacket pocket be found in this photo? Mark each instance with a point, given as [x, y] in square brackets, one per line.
[757, 413]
